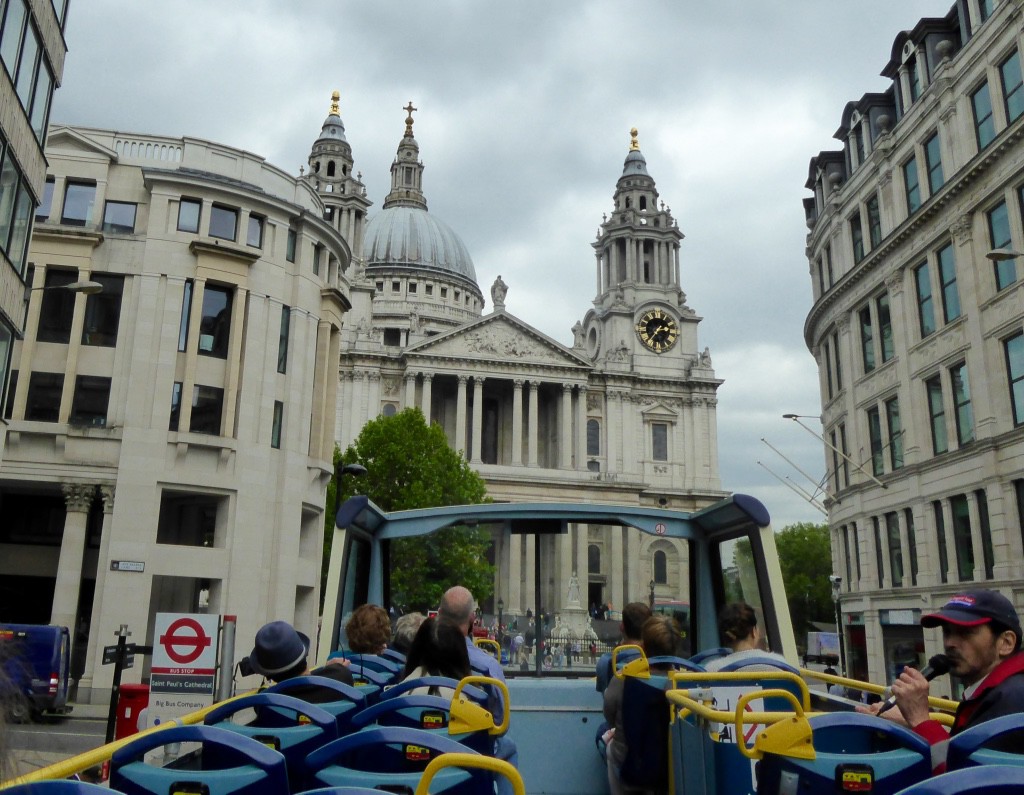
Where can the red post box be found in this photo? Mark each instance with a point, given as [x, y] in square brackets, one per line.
[130, 703]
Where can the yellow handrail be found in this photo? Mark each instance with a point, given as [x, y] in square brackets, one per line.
[481, 642]
[696, 678]
[486, 680]
[470, 760]
[936, 703]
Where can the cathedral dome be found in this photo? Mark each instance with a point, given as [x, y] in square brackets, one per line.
[410, 237]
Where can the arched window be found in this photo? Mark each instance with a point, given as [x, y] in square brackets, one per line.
[593, 437]
[643, 202]
[593, 559]
[660, 567]
[389, 410]
[330, 168]
[316, 167]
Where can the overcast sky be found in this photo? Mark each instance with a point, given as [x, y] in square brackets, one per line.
[523, 124]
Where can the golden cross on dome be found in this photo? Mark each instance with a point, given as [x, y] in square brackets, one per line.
[335, 110]
[408, 119]
[634, 145]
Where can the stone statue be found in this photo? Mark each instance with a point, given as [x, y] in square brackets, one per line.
[705, 357]
[577, 335]
[572, 597]
[498, 292]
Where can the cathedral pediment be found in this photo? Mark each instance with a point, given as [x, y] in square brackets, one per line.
[498, 337]
[68, 140]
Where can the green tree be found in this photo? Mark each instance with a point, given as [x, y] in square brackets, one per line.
[410, 465]
[805, 555]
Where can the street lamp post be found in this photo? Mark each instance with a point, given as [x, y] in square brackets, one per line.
[651, 597]
[837, 583]
[501, 623]
[84, 287]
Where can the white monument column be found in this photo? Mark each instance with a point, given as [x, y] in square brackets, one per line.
[410, 390]
[581, 427]
[532, 429]
[78, 498]
[565, 431]
[517, 422]
[478, 418]
[428, 379]
[460, 416]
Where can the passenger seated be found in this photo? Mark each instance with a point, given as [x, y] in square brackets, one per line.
[738, 629]
[439, 649]
[633, 617]
[368, 630]
[280, 653]
[658, 639]
[405, 630]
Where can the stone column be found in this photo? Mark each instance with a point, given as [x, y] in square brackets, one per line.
[976, 546]
[953, 572]
[428, 379]
[514, 599]
[373, 401]
[882, 537]
[563, 550]
[613, 416]
[529, 601]
[582, 569]
[460, 416]
[532, 427]
[517, 422]
[102, 565]
[901, 521]
[565, 435]
[410, 390]
[478, 418]
[617, 587]
[581, 427]
[78, 497]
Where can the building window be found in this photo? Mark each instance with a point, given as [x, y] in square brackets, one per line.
[103, 312]
[999, 237]
[15, 212]
[119, 217]
[1013, 87]
[254, 234]
[985, 528]
[390, 410]
[188, 215]
[282, 339]
[947, 275]
[223, 222]
[875, 437]
[846, 551]
[444, 290]
[393, 337]
[186, 312]
[396, 287]
[10, 43]
[189, 520]
[857, 238]
[593, 559]
[429, 289]
[12, 385]
[984, 124]
[43, 210]
[937, 415]
[1018, 490]
[659, 441]
[933, 162]
[867, 339]
[962, 537]
[89, 404]
[175, 406]
[412, 288]
[293, 239]
[828, 369]
[594, 428]
[1015, 376]
[895, 428]
[207, 407]
[985, 8]
[660, 567]
[845, 466]
[275, 430]
[962, 401]
[78, 200]
[57, 308]
[885, 327]
[44, 393]
[874, 222]
[925, 305]
[940, 540]
[892, 532]
[908, 515]
[914, 79]
[836, 362]
[878, 552]
[215, 326]
[856, 548]
[912, 185]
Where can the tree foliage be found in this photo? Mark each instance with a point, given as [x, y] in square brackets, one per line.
[410, 465]
[805, 555]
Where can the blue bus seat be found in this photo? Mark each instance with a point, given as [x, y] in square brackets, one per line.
[365, 675]
[393, 654]
[473, 693]
[702, 657]
[645, 720]
[853, 752]
[770, 704]
[985, 780]
[60, 786]
[376, 662]
[289, 725]
[229, 764]
[429, 713]
[970, 747]
[393, 757]
[677, 663]
[346, 701]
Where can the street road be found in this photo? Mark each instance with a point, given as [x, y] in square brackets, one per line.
[62, 737]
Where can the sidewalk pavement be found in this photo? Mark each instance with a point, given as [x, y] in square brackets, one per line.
[23, 761]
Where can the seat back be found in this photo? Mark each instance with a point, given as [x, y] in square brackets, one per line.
[289, 725]
[397, 656]
[365, 675]
[702, 657]
[852, 752]
[645, 720]
[473, 693]
[999, 741]
[392, 757]
[61, 786]
[376, 662]
[338, 698]
[228, 764]
[984, 780]
[429, 713]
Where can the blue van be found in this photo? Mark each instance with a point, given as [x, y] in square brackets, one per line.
[37, 661]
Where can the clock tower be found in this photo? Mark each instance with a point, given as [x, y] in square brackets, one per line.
[640, 315]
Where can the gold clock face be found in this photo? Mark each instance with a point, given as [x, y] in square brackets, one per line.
[657, 330]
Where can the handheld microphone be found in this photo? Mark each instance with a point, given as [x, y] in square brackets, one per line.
[937, 666]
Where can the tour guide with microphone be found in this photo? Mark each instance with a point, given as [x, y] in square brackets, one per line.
[937, 666]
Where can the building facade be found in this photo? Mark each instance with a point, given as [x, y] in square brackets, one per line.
[170, 437]
[918, 330]
[626, 414]
[32, 50]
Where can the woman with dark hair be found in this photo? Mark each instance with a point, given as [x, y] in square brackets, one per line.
[738, 629]
[368, 630]
[439, 649]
